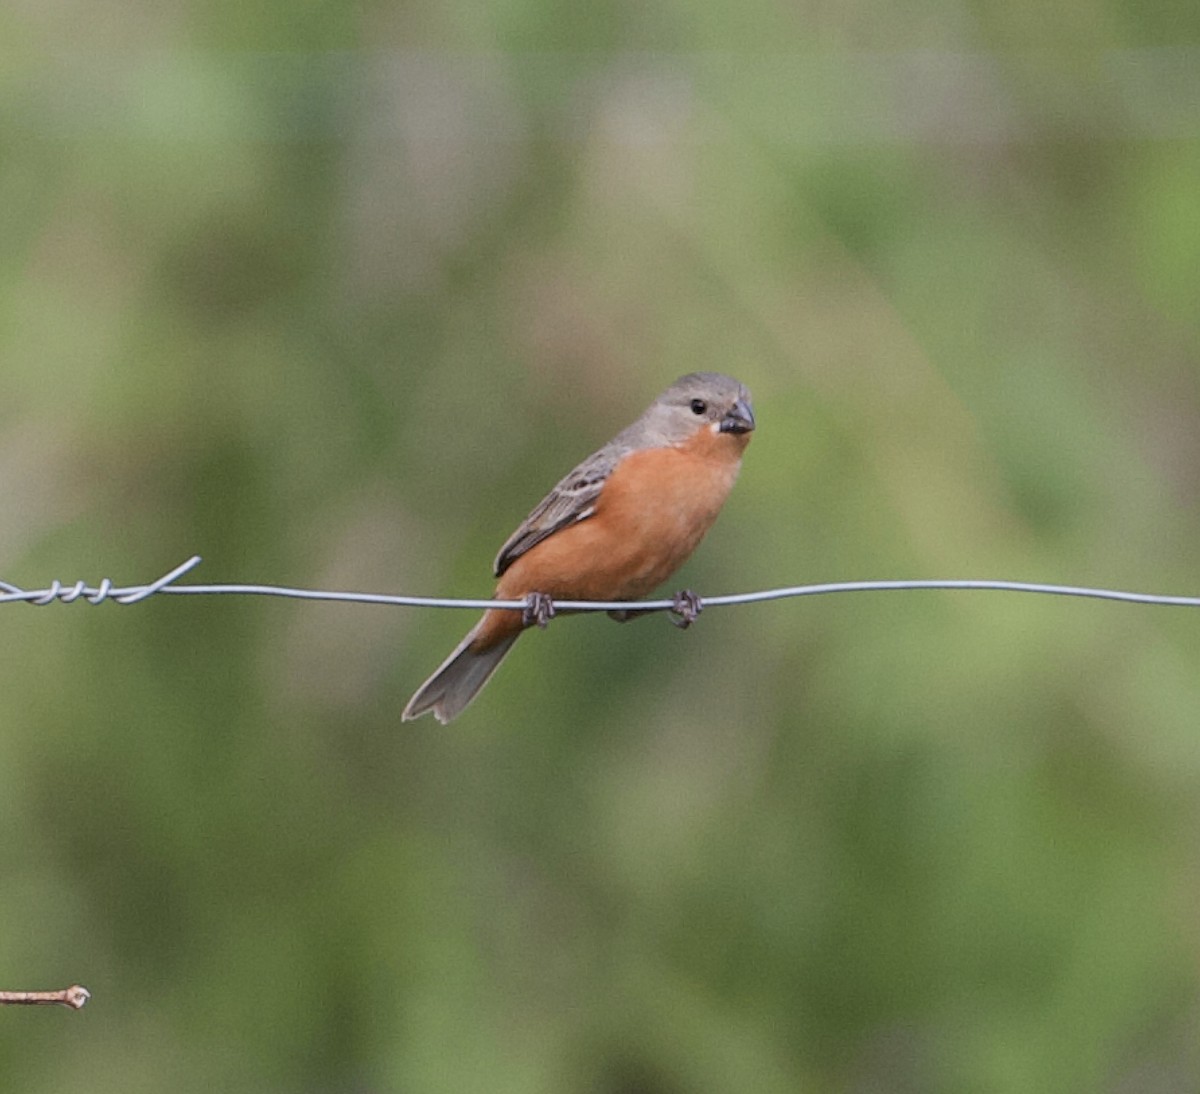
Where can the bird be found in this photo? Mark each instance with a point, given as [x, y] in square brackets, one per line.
[617, 526]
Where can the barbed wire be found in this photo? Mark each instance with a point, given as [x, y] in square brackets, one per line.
[108, 592]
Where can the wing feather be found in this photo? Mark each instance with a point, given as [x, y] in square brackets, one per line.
[573, 499]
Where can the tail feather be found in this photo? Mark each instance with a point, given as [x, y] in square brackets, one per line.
[458, 679]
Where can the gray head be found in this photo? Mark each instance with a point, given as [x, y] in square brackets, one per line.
[695, 399]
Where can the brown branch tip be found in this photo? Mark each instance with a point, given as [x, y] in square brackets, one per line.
[74, 997]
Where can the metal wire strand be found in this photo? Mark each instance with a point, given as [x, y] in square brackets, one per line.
[106, 591]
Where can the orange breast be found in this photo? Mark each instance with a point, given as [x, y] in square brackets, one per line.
[654, 509]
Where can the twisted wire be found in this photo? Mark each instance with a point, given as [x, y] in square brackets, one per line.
[107, 592]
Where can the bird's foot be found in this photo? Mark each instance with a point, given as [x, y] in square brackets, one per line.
[539, 609]
[686, 608]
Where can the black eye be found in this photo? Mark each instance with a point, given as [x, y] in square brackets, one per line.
[699, 406]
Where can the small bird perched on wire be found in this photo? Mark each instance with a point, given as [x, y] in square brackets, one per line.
[617, 526]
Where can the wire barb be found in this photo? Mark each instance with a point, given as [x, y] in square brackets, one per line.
[136, 595]
[106, 591]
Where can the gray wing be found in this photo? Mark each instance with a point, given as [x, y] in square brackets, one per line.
[572, 500]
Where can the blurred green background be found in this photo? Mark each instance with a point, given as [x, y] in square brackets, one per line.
[331, 294]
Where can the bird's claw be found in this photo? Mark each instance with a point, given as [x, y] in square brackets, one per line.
[539, 609]
[686, 608]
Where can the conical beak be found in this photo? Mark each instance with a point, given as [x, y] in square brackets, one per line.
[740, 418]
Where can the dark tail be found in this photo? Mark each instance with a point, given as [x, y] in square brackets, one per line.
[459, 678]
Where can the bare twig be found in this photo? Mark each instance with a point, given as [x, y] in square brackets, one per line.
[74, 997]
